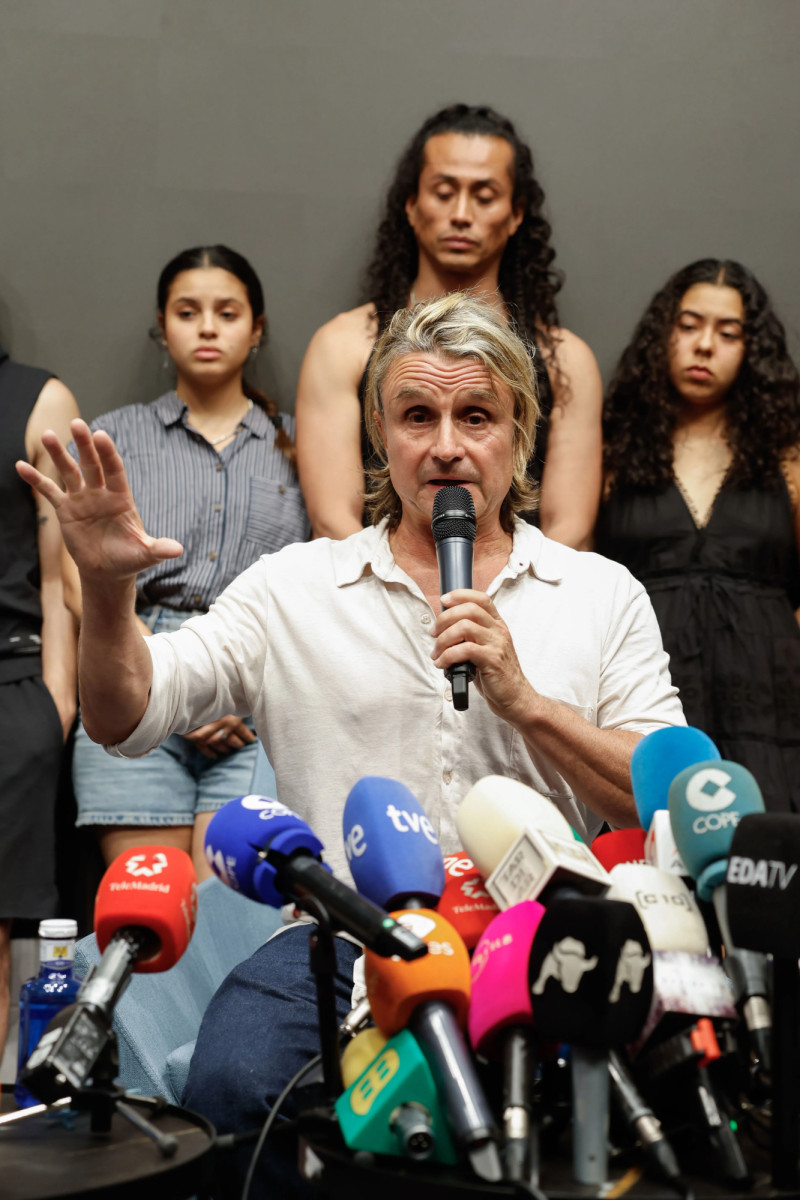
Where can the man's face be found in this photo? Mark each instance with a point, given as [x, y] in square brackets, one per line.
[447, 421]
[462, 214]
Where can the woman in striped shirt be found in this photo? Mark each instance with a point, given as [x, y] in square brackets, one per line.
[211, 464]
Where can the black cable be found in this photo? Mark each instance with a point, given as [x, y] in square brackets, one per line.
[270, 1121]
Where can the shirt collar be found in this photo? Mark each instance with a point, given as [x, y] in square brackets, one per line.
[171, 409]
[369, 548]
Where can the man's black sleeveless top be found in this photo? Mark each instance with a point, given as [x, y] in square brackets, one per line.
[537, 461]
[20, 605]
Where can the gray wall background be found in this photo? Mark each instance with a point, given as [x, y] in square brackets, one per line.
[663, 131]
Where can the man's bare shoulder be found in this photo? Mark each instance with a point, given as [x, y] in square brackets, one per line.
[350, 335]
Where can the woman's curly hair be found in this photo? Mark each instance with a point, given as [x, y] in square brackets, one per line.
[527, 283]
[642, 405]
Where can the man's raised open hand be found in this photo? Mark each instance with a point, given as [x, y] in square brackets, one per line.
[99, 521]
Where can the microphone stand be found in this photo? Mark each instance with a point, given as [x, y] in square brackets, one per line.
[102, 1098]
[322, 960]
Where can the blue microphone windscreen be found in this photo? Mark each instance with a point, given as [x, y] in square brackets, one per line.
[706, 803]
[658, 758]
[241, 828]
[391, 847]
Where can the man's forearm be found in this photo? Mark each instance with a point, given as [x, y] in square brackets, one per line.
[114, 665]
[594, 762]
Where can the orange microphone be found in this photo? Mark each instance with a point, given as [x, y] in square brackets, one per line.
[430, 996]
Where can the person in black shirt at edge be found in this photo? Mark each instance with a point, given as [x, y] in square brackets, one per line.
[37, 656]
[702, 504]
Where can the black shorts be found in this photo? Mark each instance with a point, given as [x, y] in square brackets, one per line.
[31, 746]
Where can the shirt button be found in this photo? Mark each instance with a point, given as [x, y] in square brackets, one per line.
[281, 488]
[217, 508]
[446, 777]
[219, 466]
[197, 598]
[448, 693]
[425, 618]
[213, 555]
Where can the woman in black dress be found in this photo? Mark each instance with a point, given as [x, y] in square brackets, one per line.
[701, 502]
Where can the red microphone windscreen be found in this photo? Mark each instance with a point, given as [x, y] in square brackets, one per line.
[465, 902]
[396, 988]
[155, 888]
[619, 846]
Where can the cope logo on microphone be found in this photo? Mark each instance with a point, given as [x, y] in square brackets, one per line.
[136, 865]
[707, 792]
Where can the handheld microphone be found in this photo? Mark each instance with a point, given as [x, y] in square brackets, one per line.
[391, 846]
[145, 914]
[259, 847]
[454, 530]
[706, 803]
[431, 997]
[465, 902]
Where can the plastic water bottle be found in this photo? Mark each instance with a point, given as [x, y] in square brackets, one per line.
[41, 997]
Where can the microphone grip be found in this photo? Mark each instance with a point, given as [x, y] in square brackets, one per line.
[305, 879]
[518, 1055]
[434, 1025]
[454, 555]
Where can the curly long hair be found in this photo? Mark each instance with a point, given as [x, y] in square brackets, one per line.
[642, 405]
[528, 283]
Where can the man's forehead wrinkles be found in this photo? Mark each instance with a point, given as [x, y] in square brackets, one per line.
[440, 373]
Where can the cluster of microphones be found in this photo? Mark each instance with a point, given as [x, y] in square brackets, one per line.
[640, 994]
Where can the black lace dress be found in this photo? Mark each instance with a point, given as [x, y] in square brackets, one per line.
[724, 595]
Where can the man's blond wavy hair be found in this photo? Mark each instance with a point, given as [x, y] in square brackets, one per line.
[456, 326]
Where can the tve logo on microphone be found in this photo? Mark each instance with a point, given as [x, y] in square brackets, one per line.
[402, 820]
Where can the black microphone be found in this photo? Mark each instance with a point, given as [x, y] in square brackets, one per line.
[454, 529]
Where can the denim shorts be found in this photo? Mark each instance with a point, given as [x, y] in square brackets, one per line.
[171, 784]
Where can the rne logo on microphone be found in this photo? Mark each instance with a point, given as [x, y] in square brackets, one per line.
[707, 791]
[265, 807]
[135, 864]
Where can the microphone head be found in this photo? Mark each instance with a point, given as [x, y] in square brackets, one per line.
[453, 514]
[465, 902]
[395, 988]
[493, 814]
[501, 993]
[763, 884]
[658, 758]
[240, 829]
[619, 846]
[391, 846]
[706, 803]
[154, 888]
[669, 911]
[591, 973]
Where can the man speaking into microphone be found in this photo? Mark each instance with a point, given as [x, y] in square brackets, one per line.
[341, 649]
